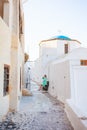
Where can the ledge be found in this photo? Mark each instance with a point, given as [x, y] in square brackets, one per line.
[77, 118]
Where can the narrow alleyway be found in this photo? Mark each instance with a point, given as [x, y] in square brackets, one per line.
[38, 112]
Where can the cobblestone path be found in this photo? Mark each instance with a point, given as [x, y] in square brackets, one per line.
[38, 112]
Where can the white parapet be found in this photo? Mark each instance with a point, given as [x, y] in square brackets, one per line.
[76, 116]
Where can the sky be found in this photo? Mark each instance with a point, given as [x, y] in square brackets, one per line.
[47, 18]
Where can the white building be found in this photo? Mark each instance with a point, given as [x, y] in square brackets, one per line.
[11, 55]
[52, 49]
[65, 63]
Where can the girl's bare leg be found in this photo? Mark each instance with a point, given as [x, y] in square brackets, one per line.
[40, 88]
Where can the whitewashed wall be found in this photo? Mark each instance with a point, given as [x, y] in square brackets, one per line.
[5, 46]
[48, 48]
[78, 53]
[55, 48]
[71, 46]
[80, 87]
[68, 79]
[4, 106]
[76, 106]
[37, 71]
[52, 82]
[60, 80]
[16, 82]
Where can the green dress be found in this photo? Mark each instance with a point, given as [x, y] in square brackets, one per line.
[44, 83]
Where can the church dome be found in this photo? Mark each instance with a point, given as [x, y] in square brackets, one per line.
[62, 37]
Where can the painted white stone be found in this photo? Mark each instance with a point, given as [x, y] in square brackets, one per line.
[66, 76]
[12, 54]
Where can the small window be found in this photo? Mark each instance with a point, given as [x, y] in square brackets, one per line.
[66, 48]
[83, 62]
[6, 80]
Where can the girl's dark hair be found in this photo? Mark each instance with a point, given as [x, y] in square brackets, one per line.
[45, 75]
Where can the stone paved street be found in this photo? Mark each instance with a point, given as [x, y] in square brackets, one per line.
[38, 112]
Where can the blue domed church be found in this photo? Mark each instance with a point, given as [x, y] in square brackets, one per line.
[57, 46]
